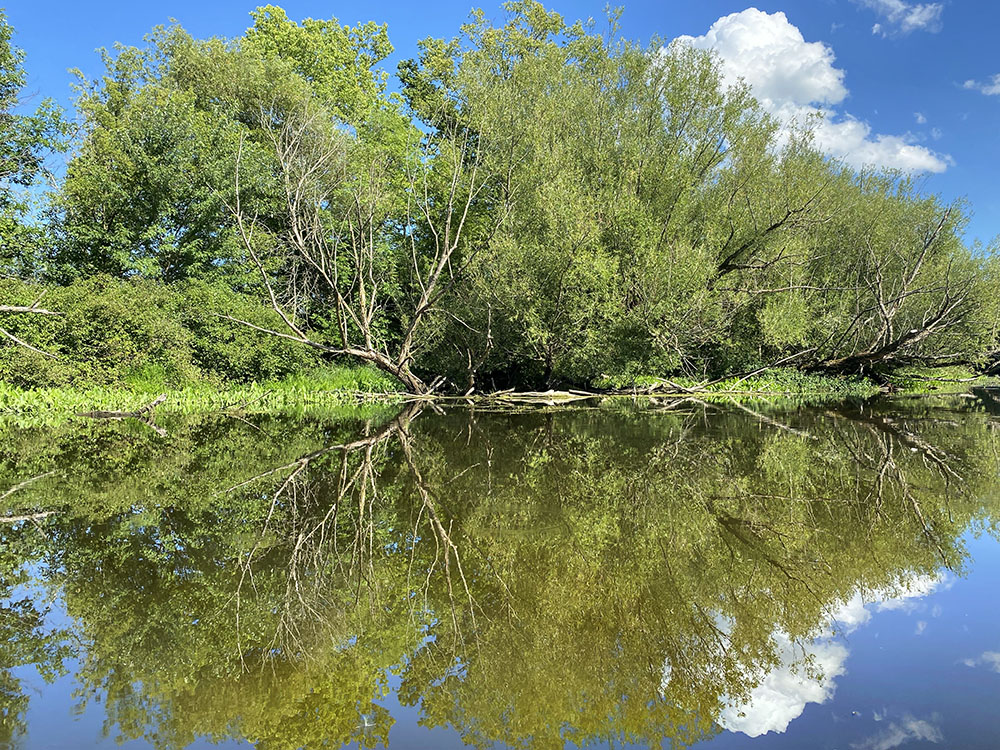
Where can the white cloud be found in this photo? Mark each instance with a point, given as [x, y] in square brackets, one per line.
[796, 80]
[990, 87]
[906, 729]
[920, 117]
[902, 17]
[915, 588]
[772, 56]
[989, 659]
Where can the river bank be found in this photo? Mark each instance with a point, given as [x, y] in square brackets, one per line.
[358, 387]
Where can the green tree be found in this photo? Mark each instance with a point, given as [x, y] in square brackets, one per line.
[26, 138]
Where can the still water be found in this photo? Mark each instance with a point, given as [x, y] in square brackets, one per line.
[694, 574]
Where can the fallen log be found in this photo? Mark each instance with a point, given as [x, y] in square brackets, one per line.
[546, 398]
[141, 413]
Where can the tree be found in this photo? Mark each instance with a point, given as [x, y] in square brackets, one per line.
[25, 140]
[307, 176]
[546, 203]
[633, 179]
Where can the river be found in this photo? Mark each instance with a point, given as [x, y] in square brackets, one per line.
[679, 573]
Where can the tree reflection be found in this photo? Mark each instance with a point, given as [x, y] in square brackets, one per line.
[532, 578]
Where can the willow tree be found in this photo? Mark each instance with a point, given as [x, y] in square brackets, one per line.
[547, 202]
[285, 168]
[882, 280]
[633, 180]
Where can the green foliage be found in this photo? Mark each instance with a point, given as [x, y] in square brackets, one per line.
[778, 381]
[177, 132]
[545, 202]
[656, 222]
[26, 138]
[112, 332]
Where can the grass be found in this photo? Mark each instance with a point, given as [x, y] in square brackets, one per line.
[915, 380]
[777, 382]
[335, 386]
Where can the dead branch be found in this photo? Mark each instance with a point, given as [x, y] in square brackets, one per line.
[25, 483]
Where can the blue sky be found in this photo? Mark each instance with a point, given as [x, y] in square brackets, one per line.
[908, 84]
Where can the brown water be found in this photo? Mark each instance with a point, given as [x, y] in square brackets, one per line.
[708, 574]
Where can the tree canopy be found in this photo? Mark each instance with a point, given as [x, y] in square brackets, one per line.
[542, 202]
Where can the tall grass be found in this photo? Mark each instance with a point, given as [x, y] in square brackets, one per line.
[779, 381]
[334, 386]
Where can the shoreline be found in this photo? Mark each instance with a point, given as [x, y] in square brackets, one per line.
[63, 404]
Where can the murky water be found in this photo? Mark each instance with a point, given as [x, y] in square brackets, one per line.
[708, 574]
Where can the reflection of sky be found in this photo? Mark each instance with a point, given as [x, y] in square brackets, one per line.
[918, 671]
[807, 671]
[913, 671]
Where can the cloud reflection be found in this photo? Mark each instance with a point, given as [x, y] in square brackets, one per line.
[989, 659]
[807, 671]
[906, 729]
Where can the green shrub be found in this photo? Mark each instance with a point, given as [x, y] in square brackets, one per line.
[106, 331]
[145, 334]
[224, 350]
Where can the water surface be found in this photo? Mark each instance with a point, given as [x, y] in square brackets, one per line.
[717, 575]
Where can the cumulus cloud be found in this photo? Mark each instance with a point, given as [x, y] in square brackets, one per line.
[920, 117]
[797, 81]
[905, 596]
[899, 732]
[783, 694]
[990, 87]
[773, 57]
[902, 17]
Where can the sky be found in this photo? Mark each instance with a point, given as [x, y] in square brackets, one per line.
[901, 84]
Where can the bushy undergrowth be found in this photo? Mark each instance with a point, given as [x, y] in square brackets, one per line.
[112, 332]
[918, 380]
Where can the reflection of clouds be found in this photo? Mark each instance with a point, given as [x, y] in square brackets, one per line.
[665, 675]
[916, 588]
[906, 729]
[785, 691]
[807, 671]
[989, 659]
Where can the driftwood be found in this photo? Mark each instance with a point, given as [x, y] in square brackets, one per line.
[143, 414]
[546, 398]
[137, 414]
[665, 386]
